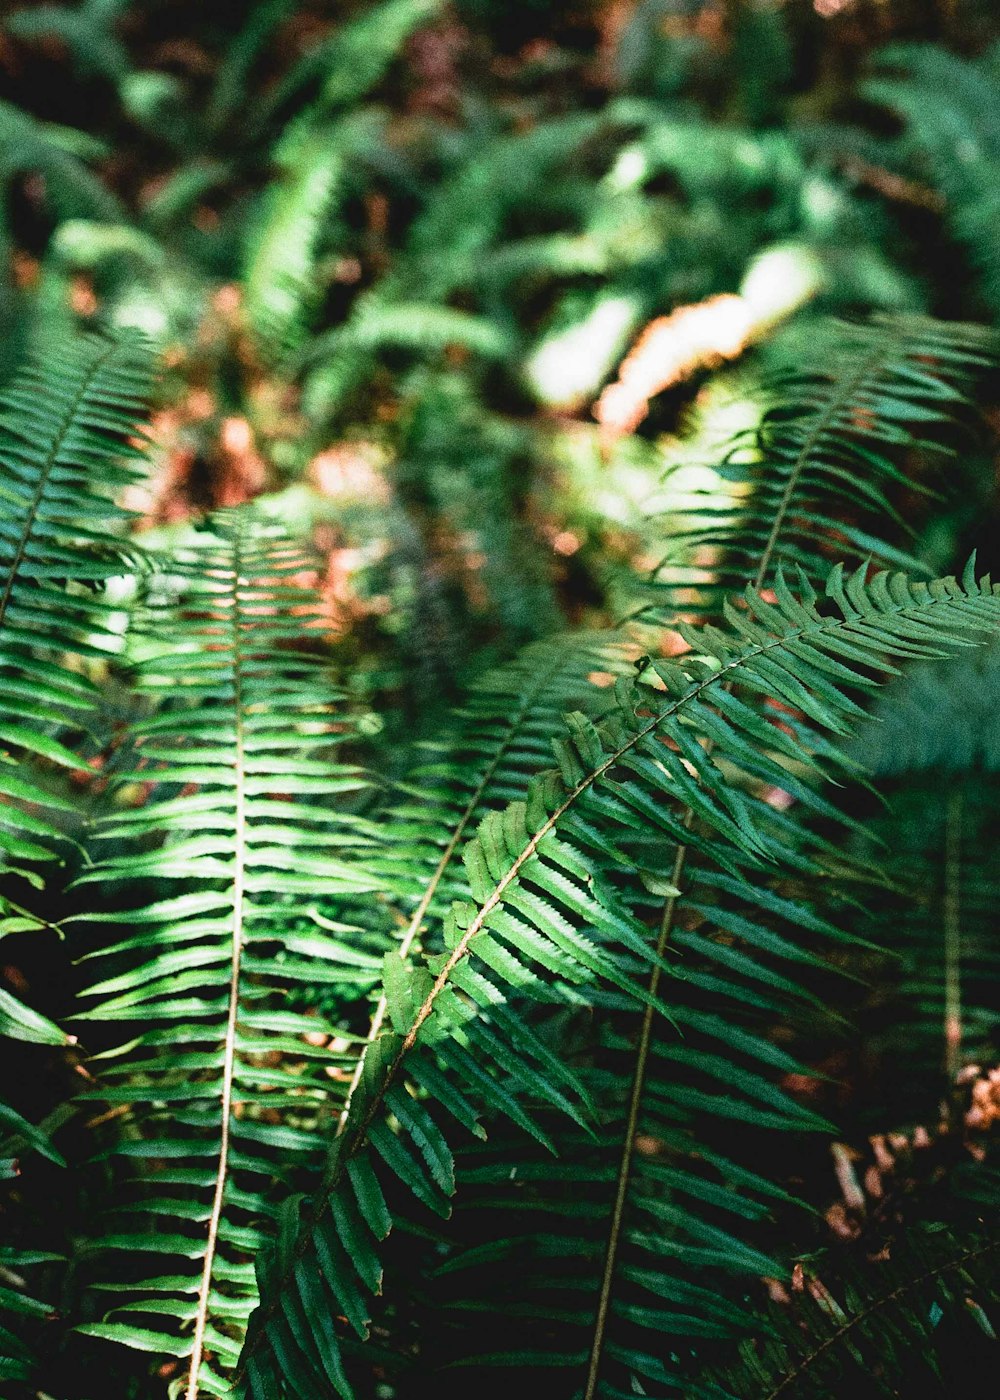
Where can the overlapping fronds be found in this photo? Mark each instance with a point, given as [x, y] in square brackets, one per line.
[501, 737]
[542, 916]
[465, 214]
[242, 821]
[850, 407]
[283, 280]
[919, 1318]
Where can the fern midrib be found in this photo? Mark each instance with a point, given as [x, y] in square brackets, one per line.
[43, 480]
[334, 1176]
[833, 407]
[416, 920]
[839, 400]
[882, 1302]
[229, 1054]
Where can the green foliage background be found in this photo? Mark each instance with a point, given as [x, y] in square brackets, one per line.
[498, 688]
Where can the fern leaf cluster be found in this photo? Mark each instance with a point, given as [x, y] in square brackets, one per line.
[493, 895]
[240, 760]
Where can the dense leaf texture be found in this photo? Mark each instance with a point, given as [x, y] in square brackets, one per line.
[914, 1318]
[541, 914]
[240, 830]
[817, 480]
[67, 445]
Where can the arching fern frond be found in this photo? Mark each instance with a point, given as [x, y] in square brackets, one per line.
[501, 736]
[543, 913]
[222, 1082]
[816, 480]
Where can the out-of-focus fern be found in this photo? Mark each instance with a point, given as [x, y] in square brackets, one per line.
[919, 1319]
[952, 135]
[932, 743]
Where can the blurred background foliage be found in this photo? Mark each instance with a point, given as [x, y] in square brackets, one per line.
[393, 254]
[475, 296]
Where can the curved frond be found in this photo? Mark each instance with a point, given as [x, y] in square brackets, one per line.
[817, 479]
[541, 911]
[500, 738]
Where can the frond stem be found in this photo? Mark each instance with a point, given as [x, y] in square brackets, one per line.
[416, 921]
[667, 923]
[338, 1160]
[882, 1302]
[229, 1054]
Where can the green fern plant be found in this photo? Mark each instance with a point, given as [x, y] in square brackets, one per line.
[215, 866]
[931, 745]
[546, 1049]
[69, 445]
[948, 105]
[68, 441]
[923, 1316]
[850, 410]
[526, 866]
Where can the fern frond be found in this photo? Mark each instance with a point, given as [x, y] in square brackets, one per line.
[816, 479]
[495, 746]
[542, 911]
[949, 105]
[919, 1319]
[68, 446]
[282, 281]
[465, 214]
[222, 1081]
[347, 65]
